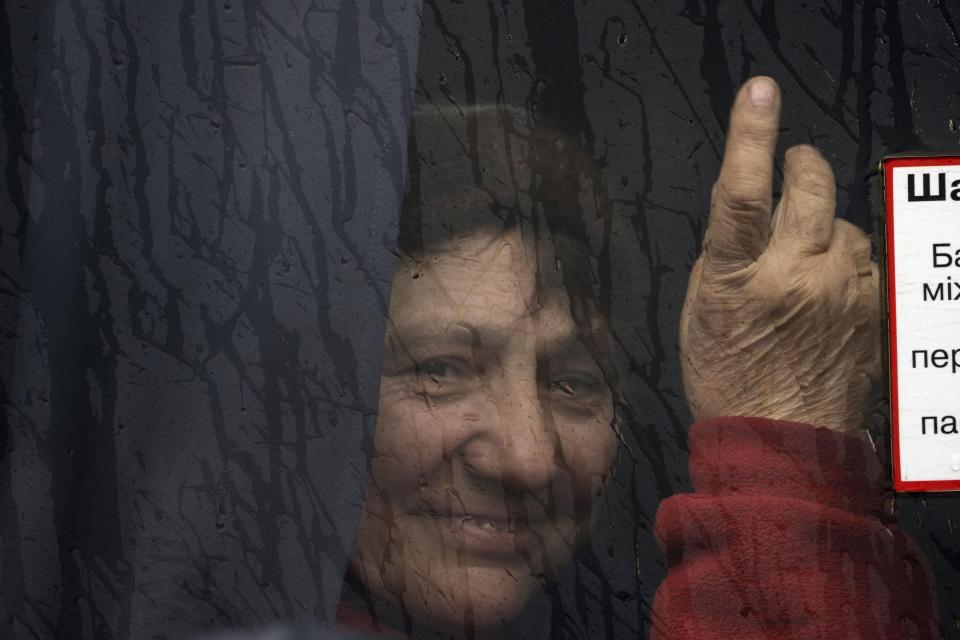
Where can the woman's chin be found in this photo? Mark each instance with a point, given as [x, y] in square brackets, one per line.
[481, 601]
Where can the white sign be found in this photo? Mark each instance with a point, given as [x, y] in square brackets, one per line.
[923, 280]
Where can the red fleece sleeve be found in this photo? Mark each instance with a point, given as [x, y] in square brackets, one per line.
[785, 538]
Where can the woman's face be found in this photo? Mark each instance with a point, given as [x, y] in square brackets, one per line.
[493, 439]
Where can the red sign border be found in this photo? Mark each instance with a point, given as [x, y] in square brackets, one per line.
[889, 165]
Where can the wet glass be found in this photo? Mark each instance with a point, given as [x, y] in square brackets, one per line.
[466, 320]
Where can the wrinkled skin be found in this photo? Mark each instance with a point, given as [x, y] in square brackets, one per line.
[781, 318]
[492, 412]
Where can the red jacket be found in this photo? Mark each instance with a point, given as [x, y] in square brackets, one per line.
[786, 537]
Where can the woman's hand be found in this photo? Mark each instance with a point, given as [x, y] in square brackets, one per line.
[781, 318]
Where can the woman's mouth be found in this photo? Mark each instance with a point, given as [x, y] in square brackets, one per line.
[485, 535]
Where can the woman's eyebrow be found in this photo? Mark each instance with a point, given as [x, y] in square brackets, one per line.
[429, 334]
[569, 345]
[461, 334]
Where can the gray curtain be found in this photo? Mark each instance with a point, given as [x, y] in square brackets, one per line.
[197, 253]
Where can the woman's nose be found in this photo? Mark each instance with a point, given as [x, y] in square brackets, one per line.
[516, 443]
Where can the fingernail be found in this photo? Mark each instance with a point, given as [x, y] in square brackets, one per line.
[762, 93]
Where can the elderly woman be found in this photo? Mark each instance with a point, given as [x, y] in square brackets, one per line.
[497, 427]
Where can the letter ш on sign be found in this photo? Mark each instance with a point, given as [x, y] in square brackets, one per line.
[926, 195]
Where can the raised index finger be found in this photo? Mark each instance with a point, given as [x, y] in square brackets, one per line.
[739, 225]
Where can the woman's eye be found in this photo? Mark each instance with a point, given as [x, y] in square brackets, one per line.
[443, 375]
[436, 369]
[575, 385]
